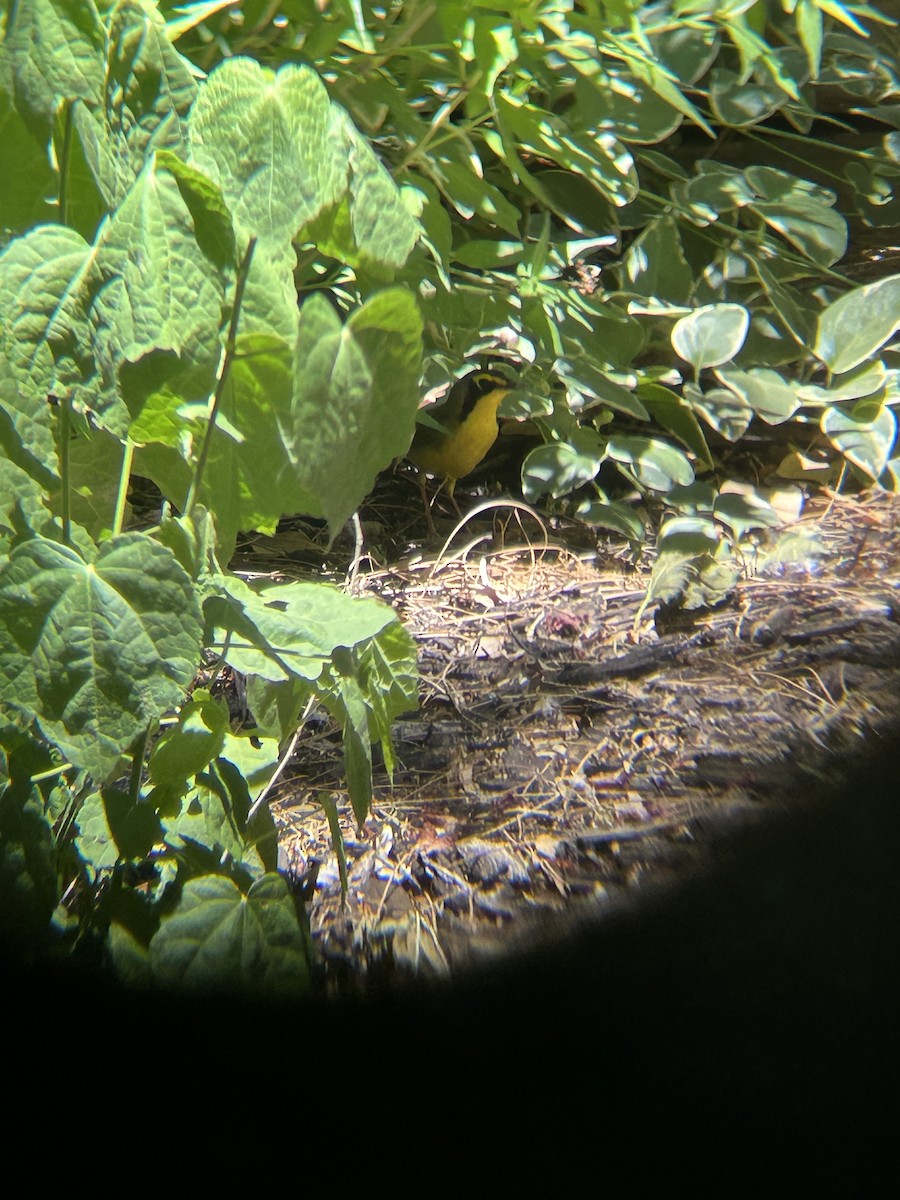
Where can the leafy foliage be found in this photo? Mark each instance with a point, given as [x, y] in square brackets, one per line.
[643, 207]
[151, 320]
[541, 139]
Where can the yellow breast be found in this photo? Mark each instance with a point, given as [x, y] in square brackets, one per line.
[457, 452]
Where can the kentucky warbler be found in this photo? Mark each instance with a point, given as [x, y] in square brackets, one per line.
[469, 420]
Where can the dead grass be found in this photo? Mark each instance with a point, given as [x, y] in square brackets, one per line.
[564, 754]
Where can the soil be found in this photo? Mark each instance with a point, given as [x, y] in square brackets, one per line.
[572, 748]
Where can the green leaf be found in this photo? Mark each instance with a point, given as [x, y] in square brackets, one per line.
[711, 335]
[38, 275]
[355, 398]
[192, 15]
[584, 378]
[158, 291]
[280, 631]
[147, 90]
[469, 193]
[864, 380]
[787, 304]
[192, 742]
[692, 534]
[95, 469]
[676, 416]
[629, 110]
[211, 218]
[865, 436]
[218, 938]
[745, 510]
[26, 198]
[739, 103]
[715, 191]
[617, 517]
[350, 396]
[28, 887]
[772, 398]
[685, 49]
[250, 478]
[112, 828]
[271, 143]
[687, 569]
[724, 410]
[209, 820]
[347, 703]
[22, 511]
[253, 756]
[276, 705]
[694, 500]
[494, 49]
[655, 264]
[801, 212]
[599, 157]
[433, 217]
[387, 670]
[291, 165]
[808, 16]
[857, 324]
[658, 80]
[55, 51]
[655, 464]
[561, 467]
[669, 577]
[89, 649]
[488, 255]
[364, 690]
[372, 228]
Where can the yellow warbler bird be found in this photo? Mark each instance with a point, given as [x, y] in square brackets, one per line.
[469, 427]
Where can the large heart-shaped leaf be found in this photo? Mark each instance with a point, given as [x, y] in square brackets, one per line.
[94, 651]
[219, 938]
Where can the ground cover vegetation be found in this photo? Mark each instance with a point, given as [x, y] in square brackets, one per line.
[239, 242]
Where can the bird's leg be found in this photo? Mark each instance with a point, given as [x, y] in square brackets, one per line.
[451, 487]
[426, 505]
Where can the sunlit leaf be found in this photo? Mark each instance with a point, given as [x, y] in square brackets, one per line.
[864, 435]
[655, 464]
[618, 517]
[711, 335]
[89, 649]
[857, 324]
[560, 467]
[724, 410]
[772, 398]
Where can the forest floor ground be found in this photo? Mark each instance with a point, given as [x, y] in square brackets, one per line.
[571, 749]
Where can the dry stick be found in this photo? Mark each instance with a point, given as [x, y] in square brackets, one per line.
[486, 507]
[353, 570]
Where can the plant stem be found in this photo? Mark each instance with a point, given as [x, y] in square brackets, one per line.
[337, 841]
[64, 167]
[443, 116]
[64, 435]
[222, 379]
[42, 776]
[137, 767]
[363, 64]
[122, 494]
